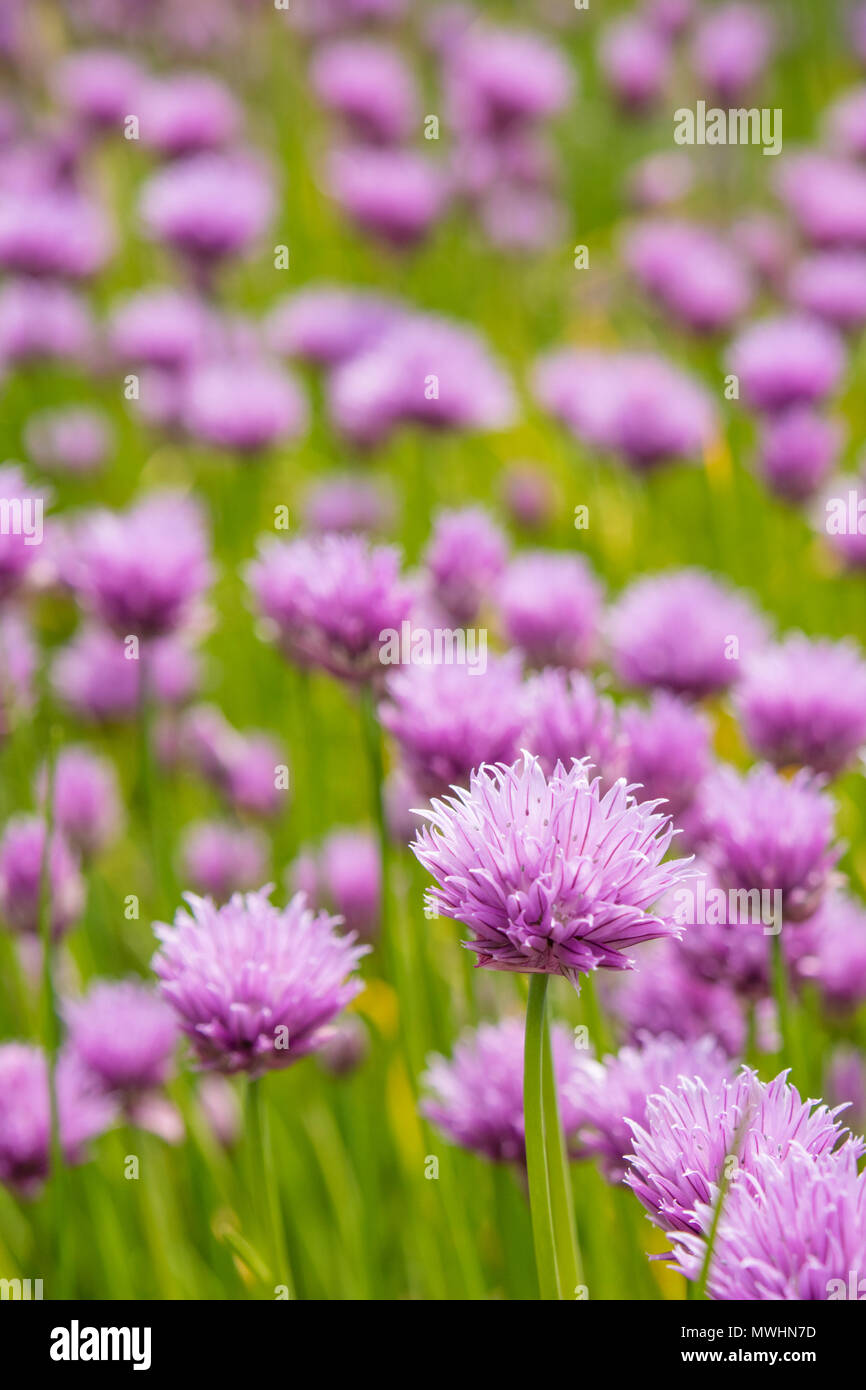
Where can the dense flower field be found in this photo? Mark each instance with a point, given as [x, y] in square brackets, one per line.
[432, 707]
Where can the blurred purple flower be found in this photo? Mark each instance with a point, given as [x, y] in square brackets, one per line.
[187, 113]
[668, 750]
[396, 195]
[22, 854]
[797, 451]
[370, 85]
[731, 47]
[635, 59]
[465, 557]
[25, 1115]
[219, 858]
[566, 717]
[326, 324]
[160, 327]
[690, 272]
[786, 361]
[124, 1034]
[74, 439]
[243, 405]
[87, 805]
[208, 206]
[666, 996]
[551, 608]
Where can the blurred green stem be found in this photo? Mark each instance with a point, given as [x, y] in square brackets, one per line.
[51, 1019]
[268, 1228]
[565, 1243]
[536, 1154]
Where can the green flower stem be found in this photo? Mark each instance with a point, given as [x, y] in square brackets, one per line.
[536, 1154]
[268, 1228]
[51, 1019]
[568, 1262]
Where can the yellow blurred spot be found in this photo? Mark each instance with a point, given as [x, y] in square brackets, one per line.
[672, 1284]
[717, 459]
[379, 1003]
[403, 1114]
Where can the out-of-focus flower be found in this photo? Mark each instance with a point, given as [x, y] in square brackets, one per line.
[327, 324]
[496, 79]
[449, 719]
[344, 874]
[846, 1083]
[465, 557]
[835, 954]
[666, 996]
[832, 286]
[370, 85]
[347, 1047]
[24, 529]
[803, 704]
[691, 1130]
[668, 750]
[52, 232]
[550, 603]
[770, 833]
[690, 272]
[255, 986]
[845, 123]
[567, 717]
[636, 406]
[243, 405]
[208, 206]
[186, 113]
[99, 86]
[125, 1035]
[330, 598]
[25, 1114]
[95, 678]
[612, 1095]
[826, 196]
[141, 571]
[75, 439]
[43, 320]
[161, 327]
[840, 517]
[219, 858]
[476, 1096]
[786, 361]
[22, 855]
[87, 805]
[730, 49]
[798, 449]
[791, 1228]
[635, 59]
[684, 632]
[660, 179]
[426, 371]
[396, 195]
[727, 940]
[765, 242]
[529, 496]
[549, 875]
[342, 502]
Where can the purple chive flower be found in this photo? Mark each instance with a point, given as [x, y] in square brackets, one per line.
[99, 86]
[20, 543]
[496, 79]
[797, 452]
[346, 1049]
[449, 720]
[791, 1228]
[730, 50]
[840, 517]
[243, 405]
[529, 496]
[22, 852]
[52, 232]
[142, 570]
[25, 1115]
[835, 956]
[343, 502]
[682, 631]
[476, 1096]
[668, 750]
[690, 272]
[250, 783]
[370, 85]
[660, 179]
[785, 361]
[43, 320]
[728, 941]
[465, 557]
[551, 608]
[255, 986]
[187, 113]
[329, 600]
[160, 327]
[803, 704]
[549, 875]
[665, 996]
[613, 1094]
[670, 17]
[219, 858]
[691, 1130]
[566, 717]
[831, 285]
[636, 406]
[770, 833]
[765, 243]
[328, 324]
[826, 197]
[845, 123]
[208, 206]
[426, 371]
[75, 440]
[345, 875]
[318, 18]
[846, 1082]
[396, 195]
[93, 676]
[635, 60]
[125, 1035]
[87, 805]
